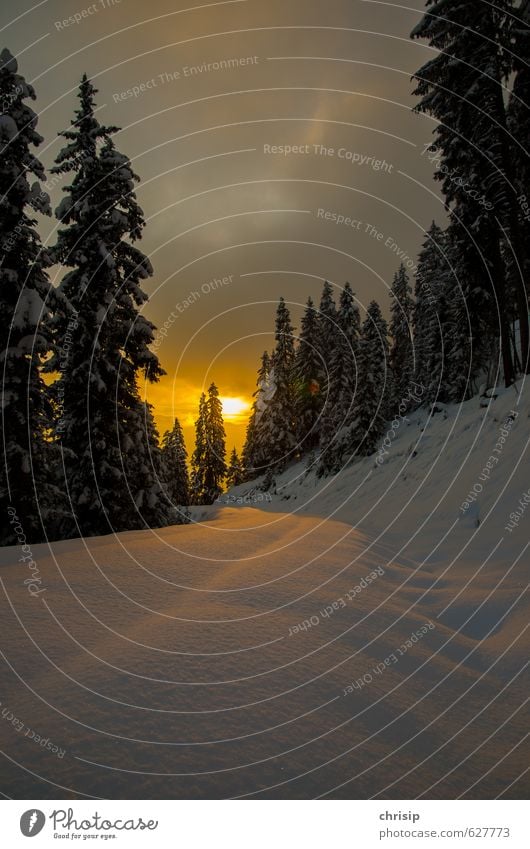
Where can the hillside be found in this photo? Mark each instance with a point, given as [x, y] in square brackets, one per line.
[291, 651]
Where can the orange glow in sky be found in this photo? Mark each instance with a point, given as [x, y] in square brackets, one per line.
[235, 409]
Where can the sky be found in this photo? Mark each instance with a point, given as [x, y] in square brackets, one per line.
[276, 147]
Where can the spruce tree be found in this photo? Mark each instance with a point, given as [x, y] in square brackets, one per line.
[175, 466]
[27, 461]
[461, 87]
[234, 474]
[467, 346]
[347, 341]
[518, 120]
[198, 458]
[97, 384]
[327, 333]
[144, 471]
[342, 383]
[439, 302]
[401, 351]
[208, 461]
[307, 370]
[279, 429]
[215, 441]
[373, 398]
[255, 450]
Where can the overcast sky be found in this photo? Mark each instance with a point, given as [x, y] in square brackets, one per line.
[206, 95]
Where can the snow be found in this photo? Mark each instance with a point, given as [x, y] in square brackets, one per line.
[173, 663]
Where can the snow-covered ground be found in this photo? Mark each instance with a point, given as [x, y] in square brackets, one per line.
[351, 637]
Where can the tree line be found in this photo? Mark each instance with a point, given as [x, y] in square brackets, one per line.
[330, 395]
[80, 449]
[80, 454]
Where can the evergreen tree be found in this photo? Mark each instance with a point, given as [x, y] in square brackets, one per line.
[175, 467]
[198, 459]
[208, 462]
[234, 475]
[467, 344]
[342, 383]
[462, 88]
[348, 337]
[440, 305]
[27, 461]
[255, 450]
[327, 333]
[97, 384]
[401, 351]
[518, 120]
[214, 462]
[307, 370]
[375, 386]
[278, 417]
[144, 471]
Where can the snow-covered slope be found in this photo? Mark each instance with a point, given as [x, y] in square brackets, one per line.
[277, 652]
[441, 482]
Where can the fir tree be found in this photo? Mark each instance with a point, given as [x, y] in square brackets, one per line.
[214, 461]
[342, 383]
[27, 459]
[175, 466]
[255, 450]
[278, 417]
[518, 120]
[97, 386]
[348, 337]
[401, 351]
[327, 333]
[439, 302]
[307, 370]
[208, 461]
[467, 345]
[372, 401]
[198, 459]
[144, 471]
[462, 88]
[234, 474]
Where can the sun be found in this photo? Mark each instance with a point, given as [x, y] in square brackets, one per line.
[234, 408]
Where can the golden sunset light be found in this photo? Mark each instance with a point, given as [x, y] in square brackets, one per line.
[234, 409]
[264, 361]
